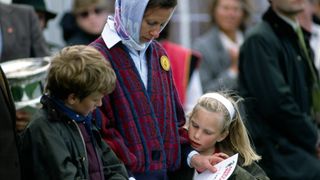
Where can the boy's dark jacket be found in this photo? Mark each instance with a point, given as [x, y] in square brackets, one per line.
[53, 138]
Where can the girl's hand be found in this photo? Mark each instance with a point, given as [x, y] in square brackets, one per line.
[202, 163]
[221, 155]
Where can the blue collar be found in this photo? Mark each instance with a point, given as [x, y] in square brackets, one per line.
[87, 120]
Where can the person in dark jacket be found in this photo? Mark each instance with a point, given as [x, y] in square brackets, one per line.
[21, 36]
[44, 15]
[276, 81]
[216, 126]
[9, 158]
[62, 141]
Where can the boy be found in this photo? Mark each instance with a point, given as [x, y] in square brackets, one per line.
[61, 142]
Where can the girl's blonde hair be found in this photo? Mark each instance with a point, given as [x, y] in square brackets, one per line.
[237, 141]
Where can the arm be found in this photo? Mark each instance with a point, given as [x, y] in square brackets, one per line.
[113, 168]
[45, 155]
[251, 172]
[113, 137]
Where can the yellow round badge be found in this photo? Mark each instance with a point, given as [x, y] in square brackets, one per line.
[165, 63]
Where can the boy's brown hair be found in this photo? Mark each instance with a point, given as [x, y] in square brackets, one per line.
[81, 70]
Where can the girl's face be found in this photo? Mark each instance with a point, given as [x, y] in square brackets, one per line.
[153, 21]
[86, 105]
[205, 129]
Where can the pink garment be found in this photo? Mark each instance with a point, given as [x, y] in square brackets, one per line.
[180, 59]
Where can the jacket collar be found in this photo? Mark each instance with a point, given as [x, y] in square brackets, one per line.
[54, 114]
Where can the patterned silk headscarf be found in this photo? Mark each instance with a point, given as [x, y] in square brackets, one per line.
[128, 18]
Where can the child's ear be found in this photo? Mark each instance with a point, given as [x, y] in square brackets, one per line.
[223, 136]
[71, 99]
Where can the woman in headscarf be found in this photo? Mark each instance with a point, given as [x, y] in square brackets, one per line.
[142, 118]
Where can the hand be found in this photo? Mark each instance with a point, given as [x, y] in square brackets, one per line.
[22, 120]
[202, 163]
[221, 155]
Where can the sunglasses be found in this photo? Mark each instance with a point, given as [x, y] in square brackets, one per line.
[86, 14]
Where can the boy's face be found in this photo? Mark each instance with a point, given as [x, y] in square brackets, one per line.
[87, 105]
[205, 130]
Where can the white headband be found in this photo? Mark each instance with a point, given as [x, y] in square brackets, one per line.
[224, 101]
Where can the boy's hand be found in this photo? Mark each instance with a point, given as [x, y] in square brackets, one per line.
[202, 163]
[22, 120]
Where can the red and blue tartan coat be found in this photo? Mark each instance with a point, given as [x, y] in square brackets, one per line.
[141, 124]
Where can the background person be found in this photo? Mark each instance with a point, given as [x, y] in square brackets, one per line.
[21, 36]
[86, 21]
[44, 15]
[276, 82]
[307, 22]
[220, 45]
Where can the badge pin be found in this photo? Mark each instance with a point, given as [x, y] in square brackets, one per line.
[165, 63]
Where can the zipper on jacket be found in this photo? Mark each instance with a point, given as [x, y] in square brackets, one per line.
[84, 143]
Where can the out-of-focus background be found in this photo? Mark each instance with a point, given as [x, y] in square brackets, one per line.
[190, 20]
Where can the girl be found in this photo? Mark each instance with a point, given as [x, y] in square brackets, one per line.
[215, 125]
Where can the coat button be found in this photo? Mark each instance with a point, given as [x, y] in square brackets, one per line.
[83, 158]
[299, 58]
